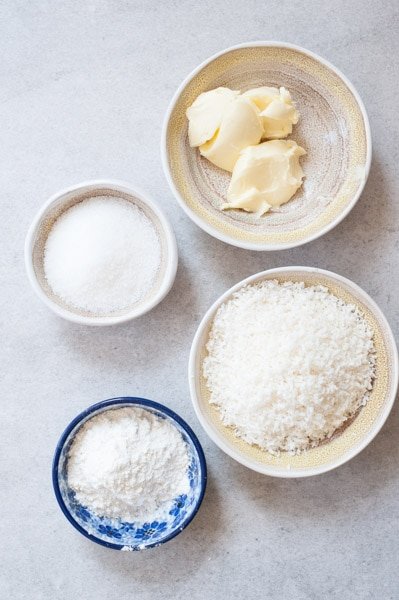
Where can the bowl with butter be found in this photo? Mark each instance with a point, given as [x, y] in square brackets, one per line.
[266, 146]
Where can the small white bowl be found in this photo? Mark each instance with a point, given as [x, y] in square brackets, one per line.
[356, 434]
[62, 201]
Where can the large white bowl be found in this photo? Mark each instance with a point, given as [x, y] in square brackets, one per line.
[352, 438]
[60, 202]
[333, 128]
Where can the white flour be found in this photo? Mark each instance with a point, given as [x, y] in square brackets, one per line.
[128, 463]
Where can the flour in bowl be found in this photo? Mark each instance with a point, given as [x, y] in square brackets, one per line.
[288, 364]
[128, 463]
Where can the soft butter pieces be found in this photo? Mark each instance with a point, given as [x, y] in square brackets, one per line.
[265, 176]
[228, 126]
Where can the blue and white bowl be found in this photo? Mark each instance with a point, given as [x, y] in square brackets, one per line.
[118, 534]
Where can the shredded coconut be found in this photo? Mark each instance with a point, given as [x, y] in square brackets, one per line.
[102, 255]
[127, 463]
[287, 364]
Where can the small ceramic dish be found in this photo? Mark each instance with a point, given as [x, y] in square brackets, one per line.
[59, 203]
[121, 535]
[333, 128]
[357, 432]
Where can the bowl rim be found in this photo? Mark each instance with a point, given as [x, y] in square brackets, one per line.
[204, 225]
[105, 405]
[235, 454]
[117, 186]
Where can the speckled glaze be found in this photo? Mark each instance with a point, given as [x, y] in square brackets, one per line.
[333, 128]
[116, 533]
[356, 433]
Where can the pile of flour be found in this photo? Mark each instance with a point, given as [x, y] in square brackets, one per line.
[127, 463]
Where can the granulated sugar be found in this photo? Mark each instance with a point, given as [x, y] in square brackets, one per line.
[128, 463]
[287, 364]
[102, 255]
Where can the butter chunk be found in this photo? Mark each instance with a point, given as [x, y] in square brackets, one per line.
[206, 113]
[276, 109]
[240, 127]
[265, 176]
[222, 123]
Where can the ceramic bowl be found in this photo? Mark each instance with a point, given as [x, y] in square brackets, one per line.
[357, 432]
[60, 202]
[122, 535]
[333, 128]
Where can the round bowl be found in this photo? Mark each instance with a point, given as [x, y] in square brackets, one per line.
[121, 535]
[333, 128]
[357, 432]
[65, 199]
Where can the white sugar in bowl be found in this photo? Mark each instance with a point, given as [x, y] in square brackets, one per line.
[51, 275]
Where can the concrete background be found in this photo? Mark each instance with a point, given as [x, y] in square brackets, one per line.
[83, 90]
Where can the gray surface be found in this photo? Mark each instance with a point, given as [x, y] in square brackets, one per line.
[83, 93]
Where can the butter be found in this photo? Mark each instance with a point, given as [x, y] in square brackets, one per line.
[265, 176]
[222, 123]
[206, 113]
[228, 126]
[240, 127]
[276, 109]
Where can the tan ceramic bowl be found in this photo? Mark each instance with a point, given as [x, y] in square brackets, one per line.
[333, 128]
[347, 442]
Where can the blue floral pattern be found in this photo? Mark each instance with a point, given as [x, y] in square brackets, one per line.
[151, 530]
[136, 535]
